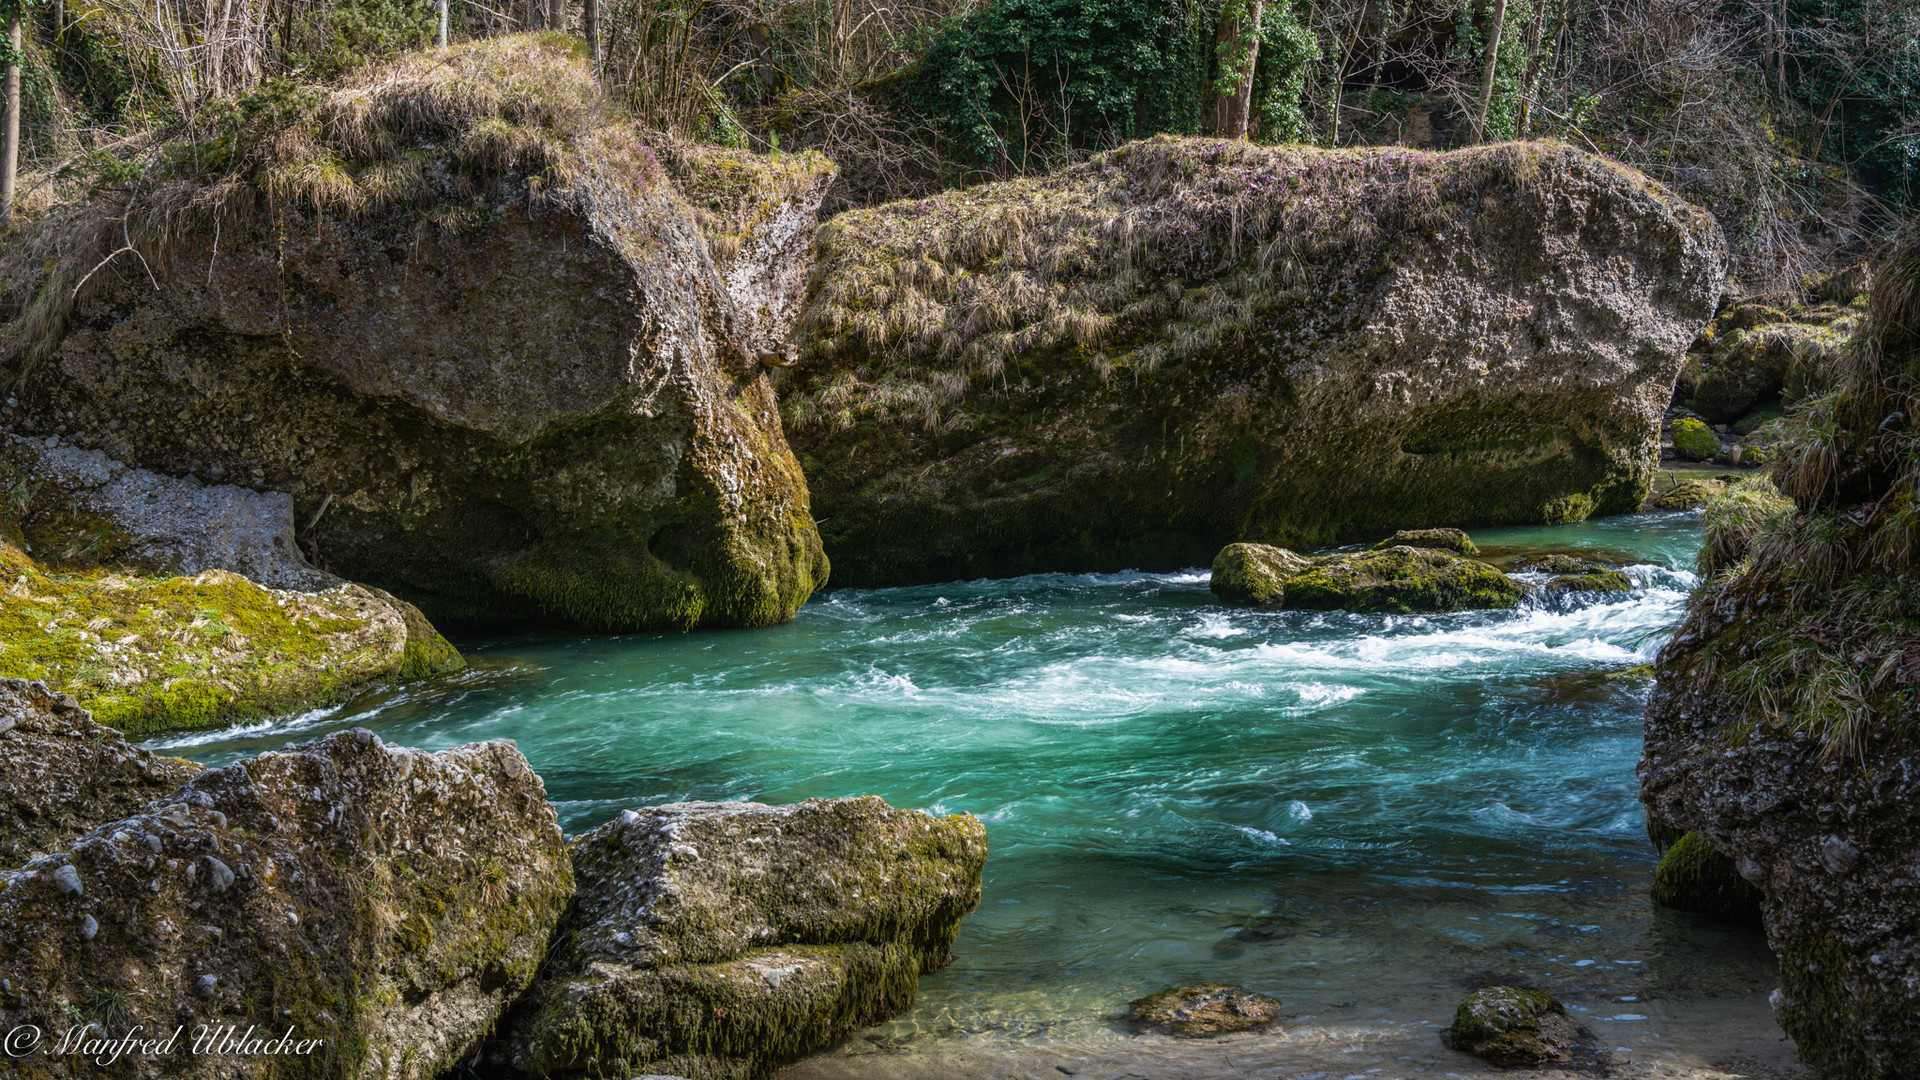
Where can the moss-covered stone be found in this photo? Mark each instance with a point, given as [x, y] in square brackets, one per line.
[1692, 876]
[502, 369]
[1254, 573]
[1453, 540]
[1106, 367]
[61, 773]
[720, 939]
[1766, 356]
[1509, 1026]
[1203, 1011]
[1401, 579]
[1694, 440]
[387, 903]
[1589, 581]
[1687, 495]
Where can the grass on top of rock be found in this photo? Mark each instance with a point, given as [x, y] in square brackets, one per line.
[1817, 594]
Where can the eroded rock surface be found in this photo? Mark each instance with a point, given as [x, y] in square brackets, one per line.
[389, 902]
[1403, 580]
[1184, 343]
[716, 940]
[532, 396]
[1203, 1011]
[1255, 573]
[61, 773]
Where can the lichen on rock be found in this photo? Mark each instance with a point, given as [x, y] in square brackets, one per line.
[1510, 1026]
[717, 940]
[1404, 580]
[1184, 343]
[388, 903]
[481, 339]
[61, 773]
[1254, 573]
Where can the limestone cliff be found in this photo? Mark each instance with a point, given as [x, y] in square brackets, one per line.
[1184, 343]
[466, 317]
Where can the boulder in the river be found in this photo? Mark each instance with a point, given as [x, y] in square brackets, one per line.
[462, 312]
[385, 903]
[1254, 573]
[719, 939]
[1509, 1026]
[1403, 580]
[1182, 343]
[164, 604]
[1453, 540]
[1694, 440]
[1687, 495]
[1203, 1011]
[1692, 876]
[61, 773]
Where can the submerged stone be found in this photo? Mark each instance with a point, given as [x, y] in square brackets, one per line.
[389, 903]
[61, 773]
[1106, 368]
[1402, 580]
[1254, 573]
[1453, 540]
[1509, 1026]
[718, 940]
[1203, 1011]
[1692, 876]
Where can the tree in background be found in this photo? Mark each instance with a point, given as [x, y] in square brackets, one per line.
[12, 57]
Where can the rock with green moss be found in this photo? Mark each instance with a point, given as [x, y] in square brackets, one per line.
[1509, 1026]
[1203, 1011]
[1453, 540]
[507, 370]
[1138, 360]
[61, 773]
[387, 903]
[1692, 876]
[1593, 580]
[717, 940]
[1762, 355]
[1404, 580]
[1687, 495]
[1254, 573]
[1694, 440]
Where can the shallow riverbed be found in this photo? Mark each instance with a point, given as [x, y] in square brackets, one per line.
[1365, 816]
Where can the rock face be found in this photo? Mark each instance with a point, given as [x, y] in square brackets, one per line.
[1403, 580]
[1692, 876]
[1255, 573]
[1757, 355]
[1510, 1026]
[715, 940]
[387, 902]
[61, 774]
[1185, 343]
[1203, 1011]
[508, 384]
[191, 642]
[1780, 728]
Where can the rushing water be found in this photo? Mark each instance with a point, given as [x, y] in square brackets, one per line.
[1364, 816]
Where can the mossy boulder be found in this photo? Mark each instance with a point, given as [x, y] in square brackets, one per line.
[1203, 1011]
[1594, 580]
[388, 903]
[1453, 540]
[1254, 573]
[61, 773]
[1687, 495]
[1183, 343]
[717, 940]
[505, 368]
[1510, 1026]
[1692, 876]
[1763, 356]
[1694, 440]
[1404, 580]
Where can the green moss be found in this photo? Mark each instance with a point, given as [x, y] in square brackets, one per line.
[1401, 579]
[1832, 1010]
[1254, 573]
[1692, 876]
[1591, 581]
[1695, 441]
[1452, 540]
[1508, 1025]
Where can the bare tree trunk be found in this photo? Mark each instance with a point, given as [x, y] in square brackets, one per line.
[440, 30]
[1531, 79]
[59, 16]
[592, 17]
[10, 124]
[557, 15]
[1238, 46]
[760, 36]
[217, 50]
[1486, 80]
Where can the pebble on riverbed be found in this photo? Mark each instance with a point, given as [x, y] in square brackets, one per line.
[1203, 1011]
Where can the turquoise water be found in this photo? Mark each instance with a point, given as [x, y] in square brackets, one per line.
[1362, 815]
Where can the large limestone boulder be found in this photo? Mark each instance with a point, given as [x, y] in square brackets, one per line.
[464, 316]
[61, 774]
[1183, 343]
[715, 940]
[384, 904]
